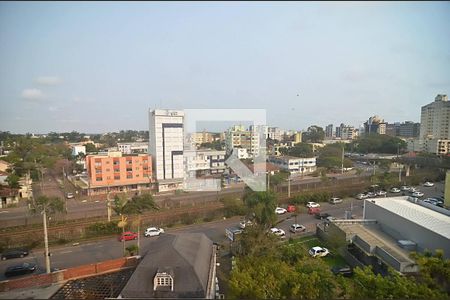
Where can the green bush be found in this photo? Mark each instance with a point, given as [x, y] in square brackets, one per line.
[311, 197]
[102, 228]
[233, 207]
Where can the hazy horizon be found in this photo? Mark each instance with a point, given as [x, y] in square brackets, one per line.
[99, 67]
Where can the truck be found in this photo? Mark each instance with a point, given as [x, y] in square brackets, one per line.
[232, 233]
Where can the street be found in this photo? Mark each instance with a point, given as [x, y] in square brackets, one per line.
[91, 252]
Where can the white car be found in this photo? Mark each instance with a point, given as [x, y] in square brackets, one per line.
[153, 231]
[69, 196]
[413, 190]
[417, 194]
[277, 232]
[312, 204]
[428, 184]
[381, 193]
[405, 188]
[362, 196]
[280, 210]
[297, 228]
[395, 190]
[318, 251]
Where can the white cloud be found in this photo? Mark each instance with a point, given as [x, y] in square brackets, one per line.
[53, 108]
[32, 94]
[48, 80]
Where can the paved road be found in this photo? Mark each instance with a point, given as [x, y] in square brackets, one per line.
[110, 248]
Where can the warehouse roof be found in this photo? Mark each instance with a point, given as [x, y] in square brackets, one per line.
[425, 217]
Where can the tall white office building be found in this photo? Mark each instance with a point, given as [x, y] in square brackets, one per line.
[166, 136]
[435, 126]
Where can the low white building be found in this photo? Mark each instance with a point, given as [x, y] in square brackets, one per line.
[294, 164]
[130, 148]
[204, 162]
[240, 153]
[77, 149]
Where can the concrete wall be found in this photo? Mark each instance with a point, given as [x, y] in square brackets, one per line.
[403, 229]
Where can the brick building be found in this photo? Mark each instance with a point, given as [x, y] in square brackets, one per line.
[118, 173]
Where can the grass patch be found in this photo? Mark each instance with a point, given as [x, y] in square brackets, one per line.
[332, 259]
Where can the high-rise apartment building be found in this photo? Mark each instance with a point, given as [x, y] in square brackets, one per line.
[435, 126]
[329, 131]
[166, 136]
[375, 125]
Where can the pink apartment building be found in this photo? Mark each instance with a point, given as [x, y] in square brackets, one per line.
[117, 173]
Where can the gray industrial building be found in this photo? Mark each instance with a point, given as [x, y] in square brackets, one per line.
[391, 229]
[406, 220]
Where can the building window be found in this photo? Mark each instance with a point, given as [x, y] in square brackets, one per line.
[98, 179]
[117, 170]
[98, 171]
[129, 176]
[116, 163]
[107, 170]
[129, 169]
[116, 177]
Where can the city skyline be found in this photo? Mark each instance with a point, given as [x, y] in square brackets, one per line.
[96, 68]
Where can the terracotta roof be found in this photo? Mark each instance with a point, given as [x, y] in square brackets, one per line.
[8, 192]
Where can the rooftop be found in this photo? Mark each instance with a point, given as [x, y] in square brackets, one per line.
[188, 255]
[425, 217]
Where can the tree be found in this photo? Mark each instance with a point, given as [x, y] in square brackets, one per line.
[299, 150]
[379, 143]
[137, 205]
[262, 205]
[393, 286]
[278, 178]
[314, 134]
[46, 205]
[90, 147]
[13, 181]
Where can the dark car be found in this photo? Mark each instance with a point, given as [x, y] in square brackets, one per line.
[22, 269]
[14, 253]
[321, 216]
[345, 271]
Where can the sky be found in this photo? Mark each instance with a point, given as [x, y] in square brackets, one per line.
[100, 66]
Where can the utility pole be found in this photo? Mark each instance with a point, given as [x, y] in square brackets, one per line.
[399, 168]
[108, 205]
[46, 252]
[342, 160]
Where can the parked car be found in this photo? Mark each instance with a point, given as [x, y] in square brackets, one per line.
[405, 188]
[69, 196]
[413, 190]
[297, 228]
[321, 216]
[330, 218]
[335, 200]
[371, 195]
[277, 232]
[245, 223]
[291, 208]
[381, 193]
[417, 194]
[361, 196]
[345, 271]
[14, 253]
[428, 184]
[313, 210]
[395, 190]
[280, 210]
[312, 205]
[153, 231]
[318, 251]
[128, 236]
[25, 268]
